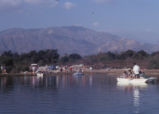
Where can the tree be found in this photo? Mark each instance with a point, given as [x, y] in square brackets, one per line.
[154, 62]
[7, 53]
[51, 56]
[8, 62]
[141, 54]
[155, 53]
[64, 59]
[74, 57]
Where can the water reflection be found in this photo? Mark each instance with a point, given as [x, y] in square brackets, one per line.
[91, 94]
[7, 83]
[90, 80]
[136, 95]
[136, 99]
[42, 82]
[135, 90]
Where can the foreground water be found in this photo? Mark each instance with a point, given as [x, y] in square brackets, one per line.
[90, 94]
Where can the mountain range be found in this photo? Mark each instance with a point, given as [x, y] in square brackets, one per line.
[71, 39]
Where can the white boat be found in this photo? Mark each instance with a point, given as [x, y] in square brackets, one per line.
[40, 74]
[78, 74]
[132, 80]
[136, 80]
[123, 85]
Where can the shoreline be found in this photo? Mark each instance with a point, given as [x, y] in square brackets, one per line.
[116, 72]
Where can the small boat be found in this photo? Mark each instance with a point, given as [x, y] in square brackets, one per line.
[78, 74]
[39, 74]
[136, 80]
[132, 80]
[141, 85]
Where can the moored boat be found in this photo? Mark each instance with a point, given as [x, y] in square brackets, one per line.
[78, 74]
[39, 74]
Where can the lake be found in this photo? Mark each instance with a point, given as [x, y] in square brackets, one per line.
[89, 94]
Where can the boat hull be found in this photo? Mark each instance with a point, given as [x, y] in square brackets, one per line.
[40, 74]
[132, 81]
[78, 74]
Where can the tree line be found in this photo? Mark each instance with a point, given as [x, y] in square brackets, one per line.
[15, 62]
[125, 59]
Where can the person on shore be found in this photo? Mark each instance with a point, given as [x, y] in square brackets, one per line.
[136, 70]
[70, 68]
[61, 69]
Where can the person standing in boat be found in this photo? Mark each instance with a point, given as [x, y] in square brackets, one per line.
[136, 70]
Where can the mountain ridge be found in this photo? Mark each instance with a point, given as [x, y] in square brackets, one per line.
[67, 39]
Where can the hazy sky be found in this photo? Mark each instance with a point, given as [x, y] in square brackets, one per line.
[136, 19]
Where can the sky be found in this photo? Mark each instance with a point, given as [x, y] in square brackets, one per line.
[133, 19]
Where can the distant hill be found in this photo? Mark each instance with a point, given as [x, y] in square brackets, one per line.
[70, 39]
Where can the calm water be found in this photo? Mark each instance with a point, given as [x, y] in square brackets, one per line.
[90, 94]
